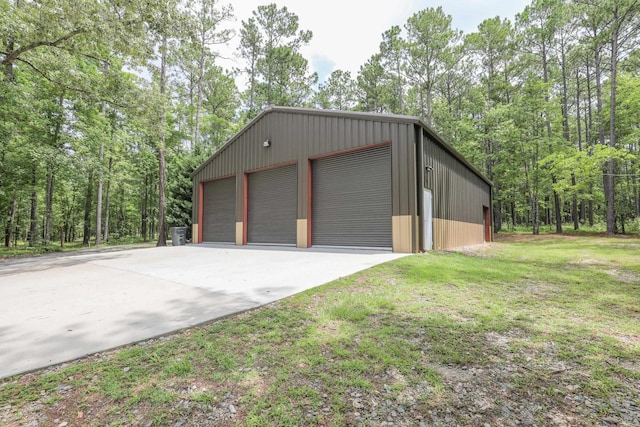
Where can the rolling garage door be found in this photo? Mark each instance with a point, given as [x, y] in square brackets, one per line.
[272, 206]
[219, 210]
[352, 199]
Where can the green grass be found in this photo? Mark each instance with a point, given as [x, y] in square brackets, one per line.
[22, 249]
[561, 312]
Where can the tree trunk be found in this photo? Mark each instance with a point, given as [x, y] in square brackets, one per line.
[12, 217]
[99, 197]
[196, 132]
[574, 206]
[610, 184]
[145, 216]
[599, 108]
[162, 237]
[498, 218]
[547, 211]
[599, 102]
[558, 208]
[106, 202]
[48, 209]
[588, 128]
[565, 97]
[590, 207]
[122, 218]
[556, 196]
[33, 228]
[636, 204]
[8, 68]
[429, 101]
[87, 211]
[535, 215]
[68, 218]
[581, 215]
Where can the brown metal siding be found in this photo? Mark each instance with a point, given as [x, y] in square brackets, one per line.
[458, 193]
[403, 170]
[297, 136]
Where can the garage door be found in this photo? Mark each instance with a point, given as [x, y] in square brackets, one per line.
[272, 206]
[219, 211]
[351, 200]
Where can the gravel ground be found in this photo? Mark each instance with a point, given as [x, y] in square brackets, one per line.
[495, 393]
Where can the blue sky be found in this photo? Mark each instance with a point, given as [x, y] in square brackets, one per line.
[347, 32]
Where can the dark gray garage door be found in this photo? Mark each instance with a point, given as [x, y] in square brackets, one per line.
[219, 211]
[272, 206]
[351, 200]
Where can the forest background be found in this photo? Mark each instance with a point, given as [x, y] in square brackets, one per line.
[107, 106]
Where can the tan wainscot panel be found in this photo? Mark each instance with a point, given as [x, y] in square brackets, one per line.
[450, 234]
[302, 233]
[402, 233]
[194, 234]
[239, 233]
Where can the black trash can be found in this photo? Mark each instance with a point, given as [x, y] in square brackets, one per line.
[178, 236]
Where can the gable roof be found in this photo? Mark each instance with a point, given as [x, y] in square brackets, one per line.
[393, 118]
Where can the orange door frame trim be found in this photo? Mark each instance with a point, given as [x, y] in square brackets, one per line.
[487, 223]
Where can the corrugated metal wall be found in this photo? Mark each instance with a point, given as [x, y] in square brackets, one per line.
[458, 193]
[300, 135]
[297, 136]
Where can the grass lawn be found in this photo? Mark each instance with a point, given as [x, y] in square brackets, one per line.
[527, 331]
[22, 249]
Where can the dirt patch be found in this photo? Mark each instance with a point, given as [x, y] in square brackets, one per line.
[524, 238]
[528, 237]
[623, 276]
[481, 250]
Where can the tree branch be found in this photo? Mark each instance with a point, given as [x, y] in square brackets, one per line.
[11, 57]
[70, 88]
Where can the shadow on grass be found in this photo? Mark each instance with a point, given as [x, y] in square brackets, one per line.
[426, 334]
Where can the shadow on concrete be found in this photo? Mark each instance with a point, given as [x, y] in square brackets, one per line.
[114, 298]
[41, 264]
[76, 340]
[292, 248]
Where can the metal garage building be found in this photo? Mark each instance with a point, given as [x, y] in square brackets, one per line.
[309, 177]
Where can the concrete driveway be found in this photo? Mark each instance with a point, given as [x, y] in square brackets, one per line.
[59, 308]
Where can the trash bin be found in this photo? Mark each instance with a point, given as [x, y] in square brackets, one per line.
[178, 236]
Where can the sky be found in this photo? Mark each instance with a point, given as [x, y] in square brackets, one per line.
[346, 33]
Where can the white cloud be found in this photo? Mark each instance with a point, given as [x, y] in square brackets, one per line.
[347, 32]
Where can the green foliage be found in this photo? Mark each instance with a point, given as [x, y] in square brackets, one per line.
[373, 91]
[270, 45]
[180, 187]
[528, 103]
[585, 167]
[430, 41]
[338, 92]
